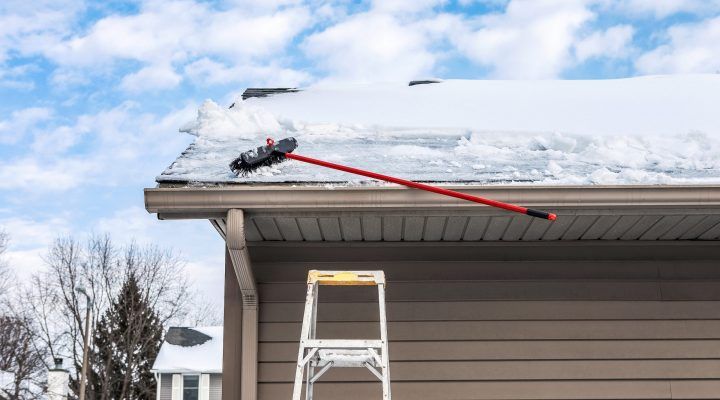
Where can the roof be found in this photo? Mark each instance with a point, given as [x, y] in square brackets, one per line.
[646, 130]
[7, 380]
[196, 349]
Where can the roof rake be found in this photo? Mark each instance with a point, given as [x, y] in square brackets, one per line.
[276, 152]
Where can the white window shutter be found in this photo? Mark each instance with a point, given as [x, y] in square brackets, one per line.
[204, 387]
[177, 387]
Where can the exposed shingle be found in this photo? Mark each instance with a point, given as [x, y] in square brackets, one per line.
[264, 92]
[185, 337]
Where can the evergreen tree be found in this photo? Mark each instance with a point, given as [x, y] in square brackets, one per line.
[126, 341]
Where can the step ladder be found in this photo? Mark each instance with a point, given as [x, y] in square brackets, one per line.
[323, 354]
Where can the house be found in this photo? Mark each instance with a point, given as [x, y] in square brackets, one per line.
[618, 298]
[189, 364]
[7, 383]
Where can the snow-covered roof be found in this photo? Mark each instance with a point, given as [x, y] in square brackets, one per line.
[646, 130]
[7, 379]
[190, 357]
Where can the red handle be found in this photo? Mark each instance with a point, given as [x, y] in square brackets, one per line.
[429, 188]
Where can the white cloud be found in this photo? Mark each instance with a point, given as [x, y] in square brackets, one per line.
[154, 35]
[238, 36]
[208, 72]
[21, 122]
[529, 40]
[41, 175]
[664, 8]
[691, 48]
[24, 24]
[133, 223]
[165, 36]
[614, 42]
[372, 46]
[27, 233]
[116, 146]
[406, 6]
[29, 240]
[58, 140]
[14, 77]
[151, 77]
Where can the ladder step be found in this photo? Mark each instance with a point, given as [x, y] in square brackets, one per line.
[341, 343]
[345, 358]
[346, 278]
[317, 356]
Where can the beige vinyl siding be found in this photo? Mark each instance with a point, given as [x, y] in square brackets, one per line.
[488, 329]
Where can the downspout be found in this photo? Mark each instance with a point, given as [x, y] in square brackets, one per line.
[237, 248]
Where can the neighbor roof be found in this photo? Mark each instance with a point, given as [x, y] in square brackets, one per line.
[196, 349]
[647, 130]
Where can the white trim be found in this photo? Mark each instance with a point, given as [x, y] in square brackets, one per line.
[158, 379]
[204, 387]
[185, 371]
[177, 387]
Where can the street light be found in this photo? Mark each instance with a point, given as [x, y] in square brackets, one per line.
[86, 343]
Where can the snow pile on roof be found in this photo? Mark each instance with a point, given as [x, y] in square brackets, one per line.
[648, 130]
[7, 379]
[202, 358]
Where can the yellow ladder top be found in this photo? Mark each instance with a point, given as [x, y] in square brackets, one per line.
[346, 278]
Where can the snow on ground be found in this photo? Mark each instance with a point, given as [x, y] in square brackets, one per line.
[648, 130]
[206, 357]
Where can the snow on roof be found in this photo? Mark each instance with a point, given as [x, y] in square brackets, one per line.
[646, 130]
[201, 358]
[7, 379]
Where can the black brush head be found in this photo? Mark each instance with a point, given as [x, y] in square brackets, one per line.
[265, 156]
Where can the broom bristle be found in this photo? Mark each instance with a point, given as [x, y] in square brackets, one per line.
[265, 156]
[242, 167]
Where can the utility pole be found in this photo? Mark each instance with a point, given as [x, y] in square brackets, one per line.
[86, 342]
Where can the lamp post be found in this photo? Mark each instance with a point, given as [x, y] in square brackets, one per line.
[86, 342]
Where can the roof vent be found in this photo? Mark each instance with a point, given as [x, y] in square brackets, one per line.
[265, 92]
[424, 82]
[185, 337]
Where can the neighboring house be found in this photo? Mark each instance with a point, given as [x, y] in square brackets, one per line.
[7, 384]
[619, 298]
[189, 364]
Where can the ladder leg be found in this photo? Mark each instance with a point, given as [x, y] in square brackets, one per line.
[298, 375]
[383, 336]
[309, 385]
[304, 335]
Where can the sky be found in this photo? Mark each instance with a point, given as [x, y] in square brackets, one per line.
[92, 93]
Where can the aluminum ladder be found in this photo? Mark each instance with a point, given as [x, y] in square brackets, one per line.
[328, 353]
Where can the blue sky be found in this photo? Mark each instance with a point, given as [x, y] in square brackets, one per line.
[92, 93]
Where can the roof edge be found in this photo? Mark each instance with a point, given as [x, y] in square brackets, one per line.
[185, 371]
[213, 202]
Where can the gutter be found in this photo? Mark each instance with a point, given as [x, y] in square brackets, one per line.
[185, 371]
[214, 202]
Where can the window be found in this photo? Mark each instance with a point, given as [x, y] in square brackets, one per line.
[191, 385]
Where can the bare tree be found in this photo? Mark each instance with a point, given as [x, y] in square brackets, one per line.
[203, 312]
[20, 358]
[100, 266]
[18, 355]
[6, 276]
